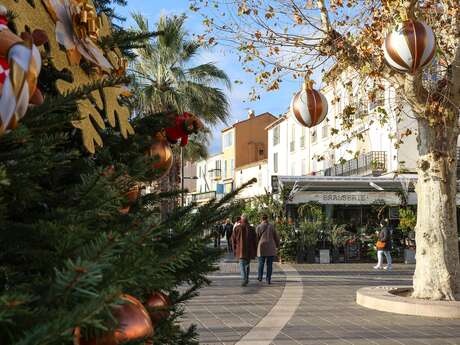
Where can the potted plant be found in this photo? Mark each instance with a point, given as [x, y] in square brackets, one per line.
[324, 238]
[407, 222]
[308, 237]
[341, 238]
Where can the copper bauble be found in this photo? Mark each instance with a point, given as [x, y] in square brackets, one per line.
[157, 305]
[133, 323]
[410, 46]
[132, 196]
[161, 150]
[309, 107]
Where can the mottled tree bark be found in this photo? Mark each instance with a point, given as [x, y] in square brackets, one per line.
[437, 270]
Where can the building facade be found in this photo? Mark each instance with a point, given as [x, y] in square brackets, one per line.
[371, 146]
[244, 156]
[322, 163]
[258, 170]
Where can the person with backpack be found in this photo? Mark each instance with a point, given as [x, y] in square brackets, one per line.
[268, 242]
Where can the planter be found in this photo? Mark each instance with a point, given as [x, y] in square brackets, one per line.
[310, 255]
[324, 256]
[409, 256]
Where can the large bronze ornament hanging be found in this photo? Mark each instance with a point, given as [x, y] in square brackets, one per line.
[133, 324]
[309, 106]
[410, 46]
[74, 25]
[161, 150]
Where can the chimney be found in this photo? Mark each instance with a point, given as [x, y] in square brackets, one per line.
[251, 114]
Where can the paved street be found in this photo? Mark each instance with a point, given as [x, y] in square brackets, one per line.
[309, 304]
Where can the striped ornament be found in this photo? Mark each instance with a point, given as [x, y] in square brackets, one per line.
[309, 107]
[410, 46]
[20, 75]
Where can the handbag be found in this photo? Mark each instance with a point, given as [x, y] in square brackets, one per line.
[380, 245]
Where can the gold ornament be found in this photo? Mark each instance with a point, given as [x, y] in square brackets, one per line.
[55, 18]
[77, 29]
[157, 306]
[161, 150]
[134, 324]
[20, 82]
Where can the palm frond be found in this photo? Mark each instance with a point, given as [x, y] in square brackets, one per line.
[208, 73]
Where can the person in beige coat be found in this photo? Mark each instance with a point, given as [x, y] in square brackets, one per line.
[268, 242]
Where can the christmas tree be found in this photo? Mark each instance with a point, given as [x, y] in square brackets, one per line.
[86, 256]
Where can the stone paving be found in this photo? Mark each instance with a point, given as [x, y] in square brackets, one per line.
[327, 314]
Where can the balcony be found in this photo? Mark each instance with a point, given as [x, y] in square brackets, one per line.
[215, 174]
[373, 163]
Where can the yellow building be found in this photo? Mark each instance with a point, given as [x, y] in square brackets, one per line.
[243, 143]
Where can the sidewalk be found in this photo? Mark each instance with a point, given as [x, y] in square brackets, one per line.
[308, 304]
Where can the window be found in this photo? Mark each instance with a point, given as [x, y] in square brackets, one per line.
[218, 170]
[228, 140]
[292, 168]
[275, 162]
[292, 143]
[325, 131]
[313, 136]
[225, 168]
[232, 167]
[303, 167]
[276, 135]
[376, 97]
[302, 137]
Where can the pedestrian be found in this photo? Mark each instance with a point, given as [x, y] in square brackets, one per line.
[244, 242]
[228, 230]
[384, 246]
[216, 234]
[268, 242]
[237, 221]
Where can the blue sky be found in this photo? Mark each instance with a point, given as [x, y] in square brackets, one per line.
[273, 102]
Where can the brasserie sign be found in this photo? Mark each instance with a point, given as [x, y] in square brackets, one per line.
[347, 198]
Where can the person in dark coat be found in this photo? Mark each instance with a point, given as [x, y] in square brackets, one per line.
[228, 230]
[217, 234]
[244, 242]
[384, 236]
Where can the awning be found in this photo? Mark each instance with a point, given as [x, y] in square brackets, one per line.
[348, 190]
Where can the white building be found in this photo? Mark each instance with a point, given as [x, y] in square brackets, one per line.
[258, 170]
[368, 148]
[208, 184]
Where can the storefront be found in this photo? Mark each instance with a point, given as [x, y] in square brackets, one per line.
[350, 200]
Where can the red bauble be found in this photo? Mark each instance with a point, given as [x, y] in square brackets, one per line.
[133, 323]
[157, 305]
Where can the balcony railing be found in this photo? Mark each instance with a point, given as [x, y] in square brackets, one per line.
[215, 174]
[372, 163]
[203, 196]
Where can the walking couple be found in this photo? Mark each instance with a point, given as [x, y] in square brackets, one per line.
[247, 243]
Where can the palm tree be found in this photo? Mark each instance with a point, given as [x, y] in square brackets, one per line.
[167, 80]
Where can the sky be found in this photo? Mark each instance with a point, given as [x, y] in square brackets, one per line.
[274, 102]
